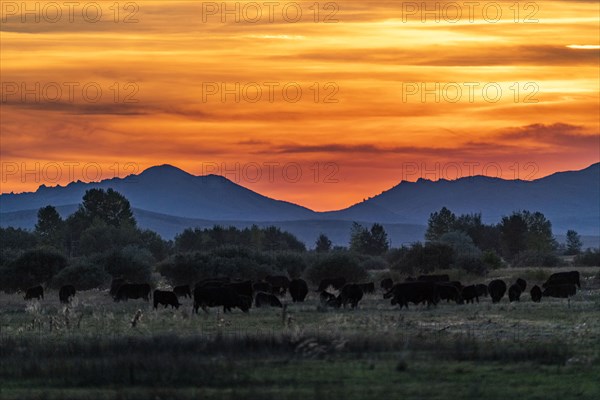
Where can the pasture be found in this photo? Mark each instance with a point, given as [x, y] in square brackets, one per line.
[98, 349]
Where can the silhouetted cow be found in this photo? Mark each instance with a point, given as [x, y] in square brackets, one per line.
[414, 292]
[243, 288]
[220, 296]
[434, 278]
[497, 289]
[536, 294]
[325, 297]
[336, 283]
[469, 293]
[36, 292]
[262, 287]
[562, 278]
[280, 283]
[482, 290]
[386, 284]
[522, 284]
[367, 287]
[65, 293]
[115, 285]
[563, 291]
[298, 290]
[166, 298]
[514, 292]
[448, 292]
[350, 294]
[219, 281]
[133, 291]
[182, 291]
[267, 300]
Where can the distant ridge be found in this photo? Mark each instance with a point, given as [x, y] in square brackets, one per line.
[168, 199]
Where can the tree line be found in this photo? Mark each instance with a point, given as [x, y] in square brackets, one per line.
[102, 240]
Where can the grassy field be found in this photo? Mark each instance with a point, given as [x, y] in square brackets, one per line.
[90, 350]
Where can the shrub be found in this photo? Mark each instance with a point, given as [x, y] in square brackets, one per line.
[33, 267]
[84, 275]
[491, 259]
[374, 263]
[530, 258]
[589, 258]
[290, 263]
[131, 263]
[332, 265]
[472, 265]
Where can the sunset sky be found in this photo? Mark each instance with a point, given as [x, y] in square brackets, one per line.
[373, 121]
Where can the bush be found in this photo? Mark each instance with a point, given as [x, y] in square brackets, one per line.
[290, 264]
[472, 265]
[589, 258]
[491, 259]
[424, 258]
[84, 275]
[335, 265]
[534, 258]
[131, 263]
[374, 263]
[33, 267]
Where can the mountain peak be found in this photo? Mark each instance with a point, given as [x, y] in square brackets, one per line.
[164, 170]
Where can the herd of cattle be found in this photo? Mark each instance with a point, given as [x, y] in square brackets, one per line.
[426, 289]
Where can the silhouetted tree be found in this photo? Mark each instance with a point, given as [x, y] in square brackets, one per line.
[378, 241]
[513, 231]
[50, 227]
[109, 206]
[439, 223]
[323, 244]
[574, 243]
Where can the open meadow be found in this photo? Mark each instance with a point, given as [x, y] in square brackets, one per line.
[98, 349]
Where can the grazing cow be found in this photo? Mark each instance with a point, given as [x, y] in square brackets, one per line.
[482, 290]
[514, 292]
[456, 284]
[267, 299]
[497, 289]
[448, 292]
[262, 287]
[415, 292]
[386, 284]
[182, 291]
[336, 283]
[220, 296]
[133, 291]
[563, 278]
[367, 287]
[469, 293]
[536, 294]
[326, 297]
[563, 291]
[115, 285]
[434, 278]
[298, 290]
[522, 284]
[166, 298]
[350, 294]
[219, 281]
[36, 292]
[243, 288]
[280, 283]
[65, 293]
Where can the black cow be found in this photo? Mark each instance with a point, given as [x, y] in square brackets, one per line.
[336, 283]
[351, 294]
[482, 290]
[219, 281]
[298, 290]
[434, 278]
[497, 289]
[115, 285]
[563, 278]
[386, 284]
[133, 291]
[36, 292]
[262, 287]
[536, 294]
[267, 299]
[563, 291]
[415, 292]
[448, 292]
[182, 291]
[166, 298]
[470, 293]
[522, 284]
[243, 288]
[280, 283]
[514, 292]
[326, 297]
[220, 296]
[65, 293]
[367, 287]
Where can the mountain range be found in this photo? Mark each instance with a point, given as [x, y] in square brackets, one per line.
[168, 200]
